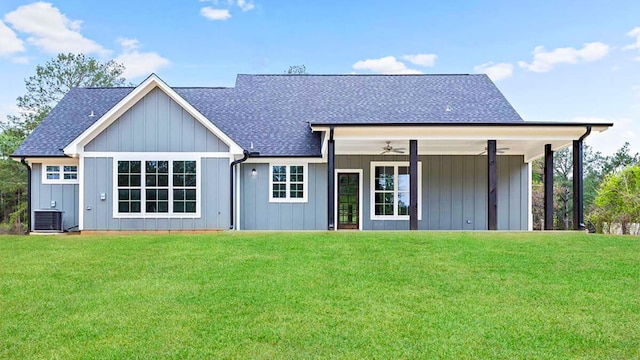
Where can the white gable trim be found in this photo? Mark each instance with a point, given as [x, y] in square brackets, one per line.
[76, 147]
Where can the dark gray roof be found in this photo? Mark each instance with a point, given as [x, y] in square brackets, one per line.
[273, 112]
[69, 119]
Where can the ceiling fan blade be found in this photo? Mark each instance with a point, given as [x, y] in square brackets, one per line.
[384, 152]
[483, 153]
[399, 151]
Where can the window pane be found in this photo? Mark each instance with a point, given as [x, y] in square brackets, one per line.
[190, 194]
[163, 180]
[178, 180]
[190, 207]
[53, 176]
[163, 167]
[190, 180]
[150, 180]
[190, 167]
[123, 167]
[279, 190]
[163, 194]
[163, 206]
[178, 194]
[297, 191]
[178, 166]
[403, 178]
[71, 176]
[135, 194]
[403, 203]
[123, 180]
[151, 194]
[123, 194]
[178, 207]
[135, 206]
[51, 168]
[151, 206]
[152, 167]
[135, 167]
[71, 168]
[134, 180]
[123, 207]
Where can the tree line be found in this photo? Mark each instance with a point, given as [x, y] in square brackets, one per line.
[611, 183]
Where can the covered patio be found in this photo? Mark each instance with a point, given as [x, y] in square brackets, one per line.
[486, 142]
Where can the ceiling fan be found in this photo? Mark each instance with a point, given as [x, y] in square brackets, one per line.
[389, 149]
[498, 150]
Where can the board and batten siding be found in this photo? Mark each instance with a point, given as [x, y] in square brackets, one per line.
[98, 214]
[454, 192]
[257, 213]
[156, 123]
[65, 196]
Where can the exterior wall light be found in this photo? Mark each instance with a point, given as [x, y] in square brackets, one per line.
[254, 172]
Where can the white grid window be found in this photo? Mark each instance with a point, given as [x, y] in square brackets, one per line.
[288, 183]
[59, 174]
[157, 188]
[390, 191]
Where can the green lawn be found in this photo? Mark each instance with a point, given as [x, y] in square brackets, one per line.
[321, 295]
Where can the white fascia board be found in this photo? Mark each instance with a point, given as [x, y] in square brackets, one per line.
[77, 145]
[50, 160]
[471, 132]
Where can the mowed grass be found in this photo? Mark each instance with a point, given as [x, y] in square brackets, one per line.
[354, 295]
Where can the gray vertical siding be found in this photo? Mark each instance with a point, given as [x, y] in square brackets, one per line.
[65, 196]
[257, 213]
[98, 214]
[156, 123]
[454, 192]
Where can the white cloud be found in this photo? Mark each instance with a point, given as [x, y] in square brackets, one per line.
[635, 32]
[138, 63]
[422, 59]
[385, 65]
[496, 72]
[245, 6]
[544, 61]
[20, 60]
[50, 30]
[636, 91]
[215, 14]
[9, 41]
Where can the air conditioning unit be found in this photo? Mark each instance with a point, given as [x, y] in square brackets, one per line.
[47, 220]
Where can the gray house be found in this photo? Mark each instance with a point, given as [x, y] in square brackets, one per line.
[293, 152]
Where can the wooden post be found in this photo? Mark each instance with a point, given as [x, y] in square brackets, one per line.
[548, 187]
[578, 183]
[413, 184]
[492, 181]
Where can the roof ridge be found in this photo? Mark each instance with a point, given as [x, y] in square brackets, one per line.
[356, 75]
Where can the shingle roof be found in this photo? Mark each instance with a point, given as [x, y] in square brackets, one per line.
[273, 112]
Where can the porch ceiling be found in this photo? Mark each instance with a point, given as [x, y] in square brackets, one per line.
[528, 141]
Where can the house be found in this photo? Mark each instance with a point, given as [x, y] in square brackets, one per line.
[294, 152]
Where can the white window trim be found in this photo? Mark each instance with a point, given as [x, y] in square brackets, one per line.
[61, 180]
[372, 193]
[143, 194]
[288, 199]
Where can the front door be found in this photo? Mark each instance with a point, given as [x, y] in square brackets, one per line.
[348, 201]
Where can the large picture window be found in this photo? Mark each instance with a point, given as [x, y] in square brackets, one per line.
[288, 183]
[157, 188]
[390, 198]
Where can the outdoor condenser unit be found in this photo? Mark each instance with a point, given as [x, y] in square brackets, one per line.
[47, 220]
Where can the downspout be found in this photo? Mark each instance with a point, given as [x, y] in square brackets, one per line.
[23, 162]
[232, 187]
[331, 179]
[584, 136]
[246, 155]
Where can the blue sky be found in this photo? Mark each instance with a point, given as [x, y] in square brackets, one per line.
[553, 60]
